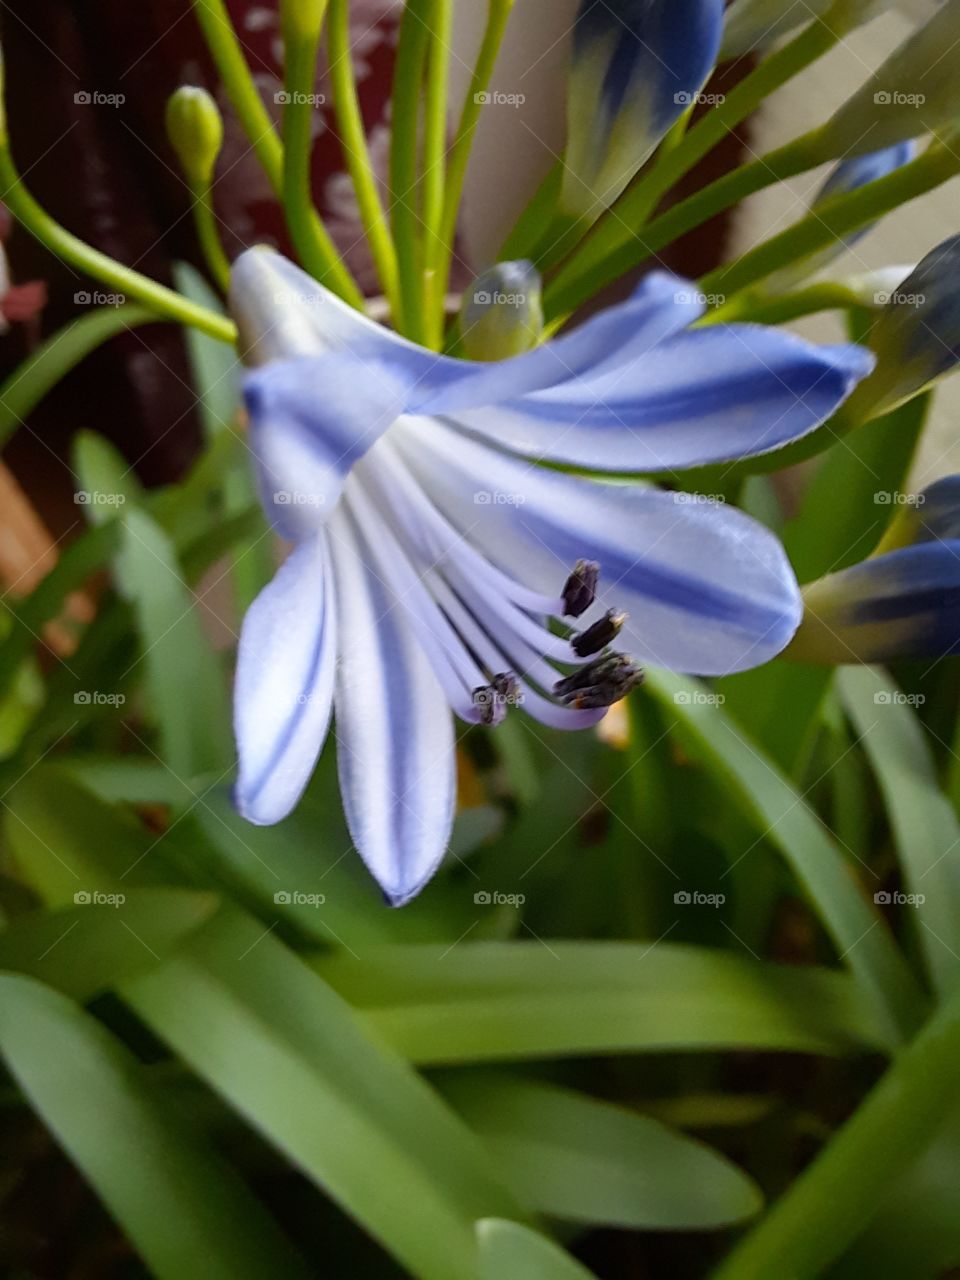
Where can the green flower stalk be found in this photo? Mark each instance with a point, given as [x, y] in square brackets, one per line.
[163, 302]
[302, 23]
[195, 130]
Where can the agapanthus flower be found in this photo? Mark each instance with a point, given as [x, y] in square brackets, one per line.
[901, 602]
[438, 571]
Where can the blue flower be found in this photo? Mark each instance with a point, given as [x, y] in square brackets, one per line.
[437, 571]
[637, 66]
[902, 602]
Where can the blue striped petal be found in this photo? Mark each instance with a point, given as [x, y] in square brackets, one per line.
[900, 605]
[708, 395]
[708, 591]
[284, 684]
[637, 66]
[395, 743]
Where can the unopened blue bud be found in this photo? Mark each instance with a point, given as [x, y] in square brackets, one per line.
[848, 176]
[916, 336]
[637, 67]
[901, 602]
[502, 315]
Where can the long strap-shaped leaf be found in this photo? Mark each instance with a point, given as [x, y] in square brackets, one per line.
[177, 1201]
[783, 817]
[925, 827]
[489, 1001]
[265, 1032]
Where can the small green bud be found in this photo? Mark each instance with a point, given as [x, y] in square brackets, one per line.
[502, 313]
[195, 130]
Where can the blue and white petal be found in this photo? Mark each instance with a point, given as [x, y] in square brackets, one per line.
[395, 743]
[284, 684]
[637, 66]
[707, 590]
[707, 395]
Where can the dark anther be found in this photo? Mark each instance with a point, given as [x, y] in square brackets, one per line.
[601, 684]
[580, 590]
[507, 686]
[601, 634]
[493, 699]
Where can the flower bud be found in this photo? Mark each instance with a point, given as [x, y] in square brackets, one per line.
[195, 130]
[916, 91]
[501, 315]
[637, 66]
[848, 176]
[904, 600]
[916, 336]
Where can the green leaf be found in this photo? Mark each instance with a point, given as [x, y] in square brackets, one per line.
[490, 1001]
[288, 1054]
[184, 679]
[754, 784]
[175, 1199]
[103, 472]
[56, 356]
[89, 948]
[850, 499]
[214, 366]
[507, 1250]
[216, 370]
[268, 1035]
[573, 1157]
[925, 827]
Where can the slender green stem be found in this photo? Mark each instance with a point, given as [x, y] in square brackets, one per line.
[26, 386]
[523, 239]
[435, 162]
[235, 74]
[614, 235]
[357, 153]
[76, 253]
[760, 308]
[498, 14]
[404, 146]
[205, 222]
[564, 293]
[835, 1197]
[837, 217]
[317, 252]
